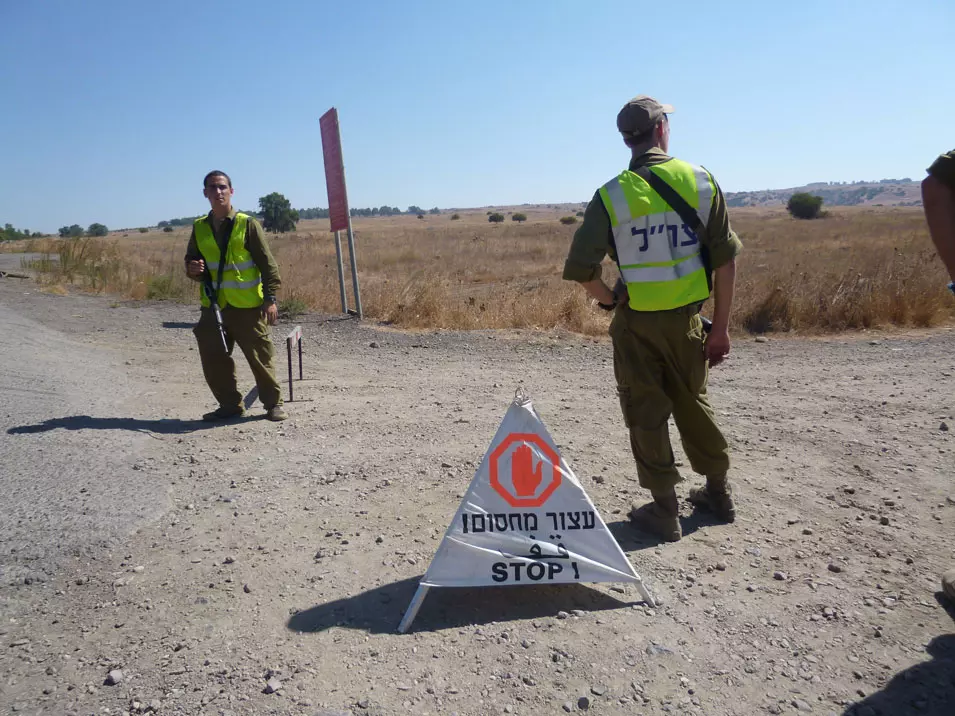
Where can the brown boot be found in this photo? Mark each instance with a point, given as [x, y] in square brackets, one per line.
[660, 517]
[948, 584]
[717, 497]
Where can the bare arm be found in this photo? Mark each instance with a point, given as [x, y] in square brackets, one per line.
[939, 202]
[599, 290]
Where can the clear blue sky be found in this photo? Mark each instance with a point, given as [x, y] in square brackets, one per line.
[113, 111]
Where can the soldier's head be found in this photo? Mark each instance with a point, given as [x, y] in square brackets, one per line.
[643, 124]
[217, 188]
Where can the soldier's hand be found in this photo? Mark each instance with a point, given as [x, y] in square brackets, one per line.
[271, 313]
[194, 269]
[717, 346]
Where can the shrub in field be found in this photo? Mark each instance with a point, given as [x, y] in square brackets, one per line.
[804, 206]
[97, 230]
[167, 229]
[519, 218]
[568, 220]
[580, 213]
[291, 307]
[495, 218]
[277, 213]
[143, 230]
[420, 216]
[455, 217]
[160, 287]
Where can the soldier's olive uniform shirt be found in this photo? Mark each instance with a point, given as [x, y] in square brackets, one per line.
[594, 239]
[943, 169]
[255, 244]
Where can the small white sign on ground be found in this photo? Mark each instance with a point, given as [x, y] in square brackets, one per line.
[525, 519]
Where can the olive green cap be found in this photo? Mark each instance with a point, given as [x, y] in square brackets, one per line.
[640, 115]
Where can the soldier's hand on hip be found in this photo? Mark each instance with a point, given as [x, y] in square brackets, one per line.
[717, 346]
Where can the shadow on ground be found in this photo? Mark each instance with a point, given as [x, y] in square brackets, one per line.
[926, 689]
[631, 539]
[166, 426]
[379, 610]
[177, 324]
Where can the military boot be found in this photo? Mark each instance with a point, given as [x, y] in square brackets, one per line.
[948, 584]
[224, 412]
[660, 517]
[716, 496]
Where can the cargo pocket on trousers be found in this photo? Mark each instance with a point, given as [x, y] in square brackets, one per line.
[623, 394]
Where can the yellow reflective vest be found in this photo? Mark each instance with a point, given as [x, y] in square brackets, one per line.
[241, 280]
[658, 254]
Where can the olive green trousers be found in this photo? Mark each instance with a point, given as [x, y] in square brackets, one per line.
[248, 328]
[660, 369]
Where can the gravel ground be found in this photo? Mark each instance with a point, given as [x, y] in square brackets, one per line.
[152, 563]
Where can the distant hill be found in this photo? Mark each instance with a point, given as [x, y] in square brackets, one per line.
[887, 192]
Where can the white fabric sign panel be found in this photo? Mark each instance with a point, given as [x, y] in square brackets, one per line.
[526, 519]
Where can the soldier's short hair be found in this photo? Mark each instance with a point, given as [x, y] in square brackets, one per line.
[215, 173]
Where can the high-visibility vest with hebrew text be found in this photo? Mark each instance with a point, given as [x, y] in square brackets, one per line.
[241, 280]
[658, 254]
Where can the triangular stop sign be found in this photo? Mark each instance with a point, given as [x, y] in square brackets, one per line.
[525, 519]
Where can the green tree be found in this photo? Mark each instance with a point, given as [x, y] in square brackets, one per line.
[804, 206]
[97, 230]
[435, 210]
[277, 213]
[519, 218]
[495, 218]
[71, 231]
[415, 209]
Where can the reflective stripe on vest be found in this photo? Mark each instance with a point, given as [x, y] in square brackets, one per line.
[658, 254]
[241, 279]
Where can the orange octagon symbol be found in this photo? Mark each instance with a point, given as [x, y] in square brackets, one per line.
[527, 478]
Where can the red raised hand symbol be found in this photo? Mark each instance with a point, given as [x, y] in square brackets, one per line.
[524, 475]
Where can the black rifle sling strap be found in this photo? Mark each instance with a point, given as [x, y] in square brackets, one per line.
[682, 207]
[223, 247]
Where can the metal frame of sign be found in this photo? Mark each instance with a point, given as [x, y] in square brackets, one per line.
[338, 211]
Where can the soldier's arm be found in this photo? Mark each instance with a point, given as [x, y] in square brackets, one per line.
[592, 242]
[192, 254]
[938, 200]
[266, 263]
[723, 246]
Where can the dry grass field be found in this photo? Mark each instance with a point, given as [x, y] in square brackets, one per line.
[857, 268]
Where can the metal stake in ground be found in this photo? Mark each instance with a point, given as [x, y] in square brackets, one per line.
[294, 337]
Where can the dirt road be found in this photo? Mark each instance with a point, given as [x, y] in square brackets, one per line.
[203, 561]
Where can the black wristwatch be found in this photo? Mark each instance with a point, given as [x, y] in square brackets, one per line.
[608, 306]
[271, 299]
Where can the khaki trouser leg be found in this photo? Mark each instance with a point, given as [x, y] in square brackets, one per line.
[703, 442]
[217, 366]
[660, 368]
[249, 329]
[639, 369]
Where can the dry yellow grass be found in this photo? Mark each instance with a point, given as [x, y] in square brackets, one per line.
[858, 268]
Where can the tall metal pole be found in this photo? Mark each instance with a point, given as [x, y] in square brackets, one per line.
[341, 270]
